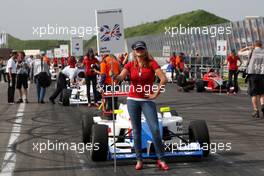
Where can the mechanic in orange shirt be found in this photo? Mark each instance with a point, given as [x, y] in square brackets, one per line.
[179, 63]
[109, 64]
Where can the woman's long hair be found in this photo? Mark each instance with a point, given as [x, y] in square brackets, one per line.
[90, 53]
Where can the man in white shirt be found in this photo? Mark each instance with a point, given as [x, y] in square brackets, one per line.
[11, 75]
[255, 71]
[70, 71]
[29, 60]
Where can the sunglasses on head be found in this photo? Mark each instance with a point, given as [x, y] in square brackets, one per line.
[140, 48]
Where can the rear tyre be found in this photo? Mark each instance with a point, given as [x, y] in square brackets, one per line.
[199, 86]
[66, 94]
[225, 85]
[87, 124]
[99, 139]
[198, 132]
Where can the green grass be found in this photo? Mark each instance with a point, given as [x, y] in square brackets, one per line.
[44, 45]
[192, 19]
[92, 43]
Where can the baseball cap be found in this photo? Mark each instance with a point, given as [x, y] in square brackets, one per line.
[139, 44]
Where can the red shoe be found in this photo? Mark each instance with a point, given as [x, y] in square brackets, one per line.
[139, 165]
[162, 165]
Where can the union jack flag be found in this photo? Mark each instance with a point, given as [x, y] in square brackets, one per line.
[109, 34]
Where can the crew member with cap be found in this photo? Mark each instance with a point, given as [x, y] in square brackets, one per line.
[70, 72]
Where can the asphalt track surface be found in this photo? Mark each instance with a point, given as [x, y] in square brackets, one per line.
[228, 119]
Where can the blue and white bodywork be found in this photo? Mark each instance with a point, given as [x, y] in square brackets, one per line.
[168, 124]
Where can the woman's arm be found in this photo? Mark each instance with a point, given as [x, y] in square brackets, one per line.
[126, 59]
[122, 75]
[163, 81]
[245, 49]
[96, 71]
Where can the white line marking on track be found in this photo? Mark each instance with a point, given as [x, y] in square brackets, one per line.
[9, 162]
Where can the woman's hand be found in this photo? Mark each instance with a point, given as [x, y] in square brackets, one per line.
[96, 71]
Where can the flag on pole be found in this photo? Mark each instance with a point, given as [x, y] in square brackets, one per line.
[110, 37]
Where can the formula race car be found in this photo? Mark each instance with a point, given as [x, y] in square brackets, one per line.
[99, 132]
[54, 74]
[211, 82]
[76, 93]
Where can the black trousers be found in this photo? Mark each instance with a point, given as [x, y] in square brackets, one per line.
[108, 100]
[231, 82]
[172, 73]
[2, 73]
[256, 84]
[61, 84]
[11, 89]
[88, 81]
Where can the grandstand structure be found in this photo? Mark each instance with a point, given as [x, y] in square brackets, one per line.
[243, 33]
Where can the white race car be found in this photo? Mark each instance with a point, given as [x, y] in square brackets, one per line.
[100, 133]
[54, 74]
[77, 94]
